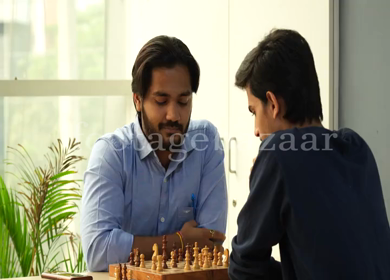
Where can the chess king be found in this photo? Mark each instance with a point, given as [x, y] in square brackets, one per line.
[163, 174]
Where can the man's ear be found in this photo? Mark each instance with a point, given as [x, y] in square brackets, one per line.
[274, 104]
[137, 102]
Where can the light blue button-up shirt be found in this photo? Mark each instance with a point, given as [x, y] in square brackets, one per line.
[128, 193]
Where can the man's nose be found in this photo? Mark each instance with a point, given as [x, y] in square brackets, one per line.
[257, 132]
[173, 113]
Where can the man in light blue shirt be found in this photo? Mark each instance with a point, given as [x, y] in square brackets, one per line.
[162, 174]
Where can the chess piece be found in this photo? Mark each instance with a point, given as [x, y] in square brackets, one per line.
[206, 263]
[215, 261]
[131, 258]
[176, 252]
[226, 260]
[123, 274]
[164, 251]
[142, 264]
[196, 265]
[136, 258]
[180, 255]
[187, 265]
[155, 249]
[219, 263]
[165, 261]
[159, 263]
[129, 273]
[210, 259]
[154, 260]
[174, 258]
[201, 258]
[117, 273]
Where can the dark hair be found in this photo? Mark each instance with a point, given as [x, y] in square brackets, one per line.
[283, 64]
[162, 51]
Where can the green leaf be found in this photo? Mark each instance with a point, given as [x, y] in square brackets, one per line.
[15, 225]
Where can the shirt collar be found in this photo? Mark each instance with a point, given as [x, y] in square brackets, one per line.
[144, 148]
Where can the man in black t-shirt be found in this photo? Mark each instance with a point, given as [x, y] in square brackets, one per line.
[315, 192]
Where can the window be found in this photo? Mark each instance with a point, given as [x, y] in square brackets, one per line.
[63, 70]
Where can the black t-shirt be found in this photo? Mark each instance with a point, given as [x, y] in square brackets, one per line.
[316, 193]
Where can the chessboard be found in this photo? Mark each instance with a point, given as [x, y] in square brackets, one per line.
[195, 263]
[137, 273]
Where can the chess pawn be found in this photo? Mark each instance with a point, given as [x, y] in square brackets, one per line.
[136, 260]
[154, 260]
[180, 255]
[131, 261]
[187, 265]
[129, 274]
[219, 263]
[175, 250]
[174, 259]
[226, 260]
[215, 260]
[210, 259]
[159, 263]
[206, 263]
[123, 265]
[117, 273]
[142, 264]
[196, 265]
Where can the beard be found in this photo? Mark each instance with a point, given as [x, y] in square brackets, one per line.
[155, 134]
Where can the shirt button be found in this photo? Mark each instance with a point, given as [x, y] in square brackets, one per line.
[162, 219]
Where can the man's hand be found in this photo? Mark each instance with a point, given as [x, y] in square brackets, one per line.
[191, 234]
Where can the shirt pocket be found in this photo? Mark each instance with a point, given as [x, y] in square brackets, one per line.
[185, 214]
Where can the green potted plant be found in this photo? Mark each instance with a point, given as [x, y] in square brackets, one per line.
[35, 218]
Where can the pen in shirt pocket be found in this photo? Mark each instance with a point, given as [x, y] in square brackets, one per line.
[193, 199]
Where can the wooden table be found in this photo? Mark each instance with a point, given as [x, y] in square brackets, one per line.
[95, 275]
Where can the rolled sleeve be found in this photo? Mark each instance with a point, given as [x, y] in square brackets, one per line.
[104, 242]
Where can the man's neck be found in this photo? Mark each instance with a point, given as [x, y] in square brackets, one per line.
[164, 157]
[303, 125]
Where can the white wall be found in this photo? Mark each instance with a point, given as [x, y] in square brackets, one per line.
[364, 78]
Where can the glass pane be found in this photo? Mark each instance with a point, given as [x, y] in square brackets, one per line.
[37, 122]
[52, 39]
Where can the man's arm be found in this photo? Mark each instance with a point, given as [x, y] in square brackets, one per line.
[104, 242]
[211, 212]
[260, 223]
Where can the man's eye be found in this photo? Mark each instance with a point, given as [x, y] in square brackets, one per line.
[161, 102]
[183, 103]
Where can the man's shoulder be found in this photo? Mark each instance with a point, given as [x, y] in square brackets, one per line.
[202, 126]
